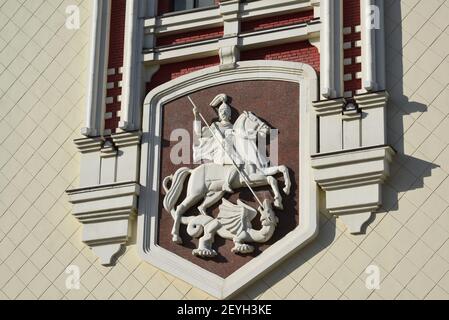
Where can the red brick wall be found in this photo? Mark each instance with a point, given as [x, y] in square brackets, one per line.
[164, 6]
[116, 40]
[191, 36]
[172, 71]
[351, 14]
[296, 52]
[116, 47]
[277, 21]
[351, 19]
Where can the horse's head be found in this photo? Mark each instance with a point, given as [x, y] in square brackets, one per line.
[267, 215]
[253, 123]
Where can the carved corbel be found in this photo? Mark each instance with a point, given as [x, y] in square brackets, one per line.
[106, 201]
[229, 56]
[105, 212]
[229, 52]
[315, 39]
[352, 181]
[353, 159]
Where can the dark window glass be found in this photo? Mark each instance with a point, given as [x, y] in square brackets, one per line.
[191, 4]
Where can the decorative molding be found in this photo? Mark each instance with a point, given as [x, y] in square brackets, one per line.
[372, 100]
[105, 212]
[373, 46]
[202, 19]
[333, 134]
[99, 50]
[280, 35]
[127, 139]
[267, 8]
[229, 56]
[353, 160]
[331, 48]
[368, 48]
[316, 41]
[150, 164]
[127, 161]
[88, 145]
[373, 128]
[181, 52]
[329, 107]
[352, 181]
[229, 52]
[230, 10]
[212, 17]
[90, 149]
[249, 40]
[228, 14]
[109, 150]
[132, 67]
[330, 126]
[106, 200]
[150, 71]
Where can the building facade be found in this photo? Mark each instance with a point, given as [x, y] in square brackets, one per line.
[95, 109]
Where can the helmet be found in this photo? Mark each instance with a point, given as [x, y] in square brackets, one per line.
[221, 102]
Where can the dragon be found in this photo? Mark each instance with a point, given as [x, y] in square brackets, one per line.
[234, 222]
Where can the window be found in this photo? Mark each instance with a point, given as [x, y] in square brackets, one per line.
[191, 4]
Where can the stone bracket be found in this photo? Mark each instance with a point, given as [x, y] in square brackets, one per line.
[352, 181]
[106, 200]
[353, 157]
[228, 46]
[105, 212]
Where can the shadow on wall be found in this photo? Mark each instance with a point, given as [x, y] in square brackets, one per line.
[400, 106]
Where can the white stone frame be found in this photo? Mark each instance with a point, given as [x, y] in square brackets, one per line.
[97, 74]
[373, 48]
[210, 17]
[331, 48]
[279, 35]
[148, 248]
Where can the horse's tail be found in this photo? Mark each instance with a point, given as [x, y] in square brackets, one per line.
[173, 193]
[195, 225]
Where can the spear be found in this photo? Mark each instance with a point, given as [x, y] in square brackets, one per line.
[245, 179]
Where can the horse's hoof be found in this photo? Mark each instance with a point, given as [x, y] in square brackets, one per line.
[243, 249]
[177, 239]
[204, 253]
[287, 190]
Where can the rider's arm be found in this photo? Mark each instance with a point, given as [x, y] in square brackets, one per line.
[197, 130]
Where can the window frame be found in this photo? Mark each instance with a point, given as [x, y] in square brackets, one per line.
[196, 7]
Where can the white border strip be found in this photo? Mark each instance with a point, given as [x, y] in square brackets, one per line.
[98, 61]
[148, 248]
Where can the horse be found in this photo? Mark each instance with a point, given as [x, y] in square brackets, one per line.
[206, 182]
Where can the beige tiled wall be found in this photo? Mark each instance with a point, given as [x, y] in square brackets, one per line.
[42, 91]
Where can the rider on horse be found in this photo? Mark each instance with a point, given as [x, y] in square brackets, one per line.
[209, 149]
[231, 150]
